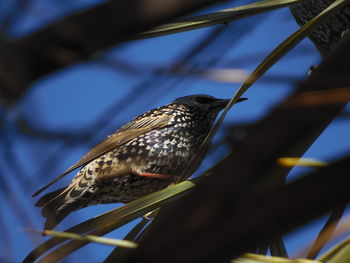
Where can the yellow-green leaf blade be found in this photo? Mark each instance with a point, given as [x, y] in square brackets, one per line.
[118, 217]
[216, 18]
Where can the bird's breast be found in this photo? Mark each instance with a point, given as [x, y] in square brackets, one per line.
[166, 150]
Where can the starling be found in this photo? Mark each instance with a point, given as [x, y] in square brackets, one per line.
[330, 32]
[144, 156]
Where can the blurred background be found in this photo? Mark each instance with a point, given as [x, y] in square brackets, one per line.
[62, 115]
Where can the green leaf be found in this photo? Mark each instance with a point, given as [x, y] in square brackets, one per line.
[255, 258]
[278, 248]
[332, 253]
[343, 255]
[296, 161]
[327, 231]
[109, 221]
[89, 238]
[118, 253]
[216, 18]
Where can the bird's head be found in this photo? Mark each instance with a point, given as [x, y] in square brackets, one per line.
[205, 103]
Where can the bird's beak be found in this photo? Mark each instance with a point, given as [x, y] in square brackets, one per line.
[222, 103]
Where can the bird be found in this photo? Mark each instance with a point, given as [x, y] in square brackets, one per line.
[331, 31]
[145, 155]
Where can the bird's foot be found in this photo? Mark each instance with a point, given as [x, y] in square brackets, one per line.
[160, 176]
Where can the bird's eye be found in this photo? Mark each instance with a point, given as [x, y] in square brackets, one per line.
[204, 100]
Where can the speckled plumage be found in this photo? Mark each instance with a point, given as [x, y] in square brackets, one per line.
[161, 142]
[327, 35]
[163, 151]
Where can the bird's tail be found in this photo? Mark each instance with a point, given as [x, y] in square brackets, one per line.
[57, 205]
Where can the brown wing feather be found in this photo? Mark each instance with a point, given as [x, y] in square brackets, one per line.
[125, 134]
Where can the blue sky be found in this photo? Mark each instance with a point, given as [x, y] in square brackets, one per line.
[97, 98]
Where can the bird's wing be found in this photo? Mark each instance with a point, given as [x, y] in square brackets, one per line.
[128, 132]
